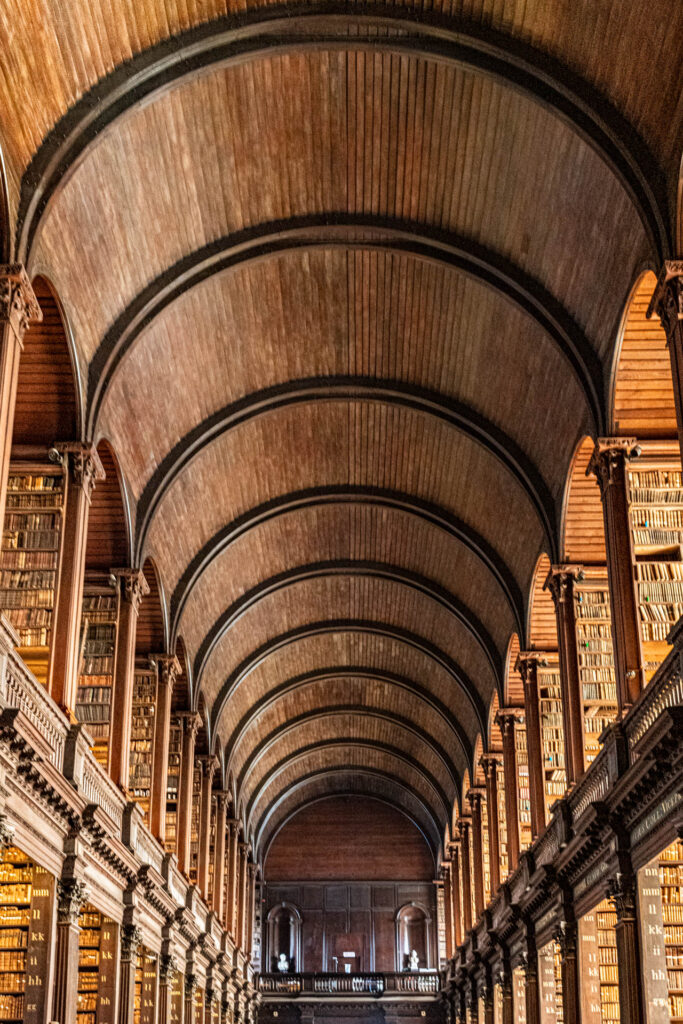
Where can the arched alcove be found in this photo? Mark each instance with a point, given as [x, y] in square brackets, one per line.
[283, 938]
[514, 694]
[413, 946]
[542, 627]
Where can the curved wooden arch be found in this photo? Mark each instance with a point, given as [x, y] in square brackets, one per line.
[330, 711]
[5, 227]
[337, 230]
[249, 663]
[348, 567]
[341, 672]
[499, 445]
[349, 494]
[278, 30]
[387, 748]
[395, 804]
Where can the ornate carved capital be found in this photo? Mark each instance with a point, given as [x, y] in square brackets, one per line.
[506, 718]
[490, 763]
[6, 832]
[18, 303]
[191, 985]
[621, 892]
[168, 968]
[131, 939]
[560, 582]
[83, 463]
[71, 895]
[134, 586]
[667, 299]
[169, 670]
[190, 721]
[528, 663]
[609, 457]
[566, 939]
[209, 765]
[463, 826]
[223, 799]
[474, 796]
[234, 826]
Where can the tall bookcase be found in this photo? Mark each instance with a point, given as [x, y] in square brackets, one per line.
[97, 957]
[172, 784]
[99, 623]
[552, 734]
[606, 919]
[485, 850]
[194, 821]
[523, 794]
[26, 899]
[656, 515]
[212, 846]
[177, 997]
[550, 983]
[671, 886]
[30, 558]
[502, 825]
[596, 657]
[142, 735]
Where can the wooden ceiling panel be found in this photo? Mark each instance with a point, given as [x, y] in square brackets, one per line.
[140, 200]
[326, 655]
[322, 734]
[345, 597]
[346, 532]
[338, 443]
[584, 529]
[374, 696]
[366, 314]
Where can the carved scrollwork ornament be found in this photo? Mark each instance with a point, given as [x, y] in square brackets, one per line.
[667, 300]
[84, 465]
[169, 669]
[18, 303]
[191, 985]
[71, 895]
[134, 586]
[6, 832]
[621, 892]
[608, 457]
[131, 939]
[565, 937]
[168, 968]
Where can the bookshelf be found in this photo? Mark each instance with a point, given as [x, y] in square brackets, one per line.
[193, 869]
[519, 995]
[552, 734]
[596, 657]
[212, 846]
[30, 556]
[550, 983]
[142, 735]
[26, 898]
[671, 887]
[605, 920]
[177, 997]
[523, 794]
[198, 1006]
[485, 850]
[145, 988]
[97, 957]
[502, 827]
[99, 622]
[137, 999]
[557, 969]
[656, 517]
[172, 784]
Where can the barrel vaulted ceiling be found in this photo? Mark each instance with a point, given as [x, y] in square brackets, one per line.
[344, 283]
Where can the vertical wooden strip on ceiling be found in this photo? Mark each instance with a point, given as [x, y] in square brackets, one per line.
[479, 777]
[514, 693]
[584, 531]
[542, 625]
[46, 407]
[181, 689]
[149, 637]
[643, 388]
[107, 544]
[495, 735]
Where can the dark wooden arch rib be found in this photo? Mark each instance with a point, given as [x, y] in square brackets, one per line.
[395, 804]
[432, 651]
[356, 779]
[282, 29]
[332, 710]
[349, 567]
[348, 389]
[335, 229]
[343, 741]
[393, 679]
[428, 512]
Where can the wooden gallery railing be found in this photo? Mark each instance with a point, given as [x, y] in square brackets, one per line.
[375, 984]
[625, 809]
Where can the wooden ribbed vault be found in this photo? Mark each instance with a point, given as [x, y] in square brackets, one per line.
[345, 285]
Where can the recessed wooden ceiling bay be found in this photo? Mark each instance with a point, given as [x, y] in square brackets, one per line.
[344, 284]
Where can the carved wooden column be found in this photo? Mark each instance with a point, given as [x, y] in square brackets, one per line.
[447, 907]
[531, 989]
[209, 766]
[474, 796]
[487, 998]
[130, 942]
[233, 876]
[133, 588]
[560, 582]
[18, 307]
[506, 986]
[190, 990]
[71, 895]
[527, 666]
[464, 829]
[190, 723]
[506, 719]
[243, 849]
[168, 967]
[218, 903]
[667, 304]
[169, 669]
[83, 470]
[490, 765]
[567, 939]
[609, 462]
[250, 908]
[456, 914]
[622, 895]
